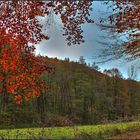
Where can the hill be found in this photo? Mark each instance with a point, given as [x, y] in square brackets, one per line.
[76, 95]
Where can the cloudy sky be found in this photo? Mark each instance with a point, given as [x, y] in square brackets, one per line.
[56, 46]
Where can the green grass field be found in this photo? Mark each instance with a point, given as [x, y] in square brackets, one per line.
[95, 131]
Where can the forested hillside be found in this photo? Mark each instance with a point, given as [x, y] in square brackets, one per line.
[76, 94]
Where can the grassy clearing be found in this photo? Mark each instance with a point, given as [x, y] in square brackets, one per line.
[106, 130]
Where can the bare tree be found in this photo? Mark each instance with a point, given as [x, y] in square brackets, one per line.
[132, 72]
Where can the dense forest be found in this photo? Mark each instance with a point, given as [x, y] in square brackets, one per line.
[40, 92]
[76, 94]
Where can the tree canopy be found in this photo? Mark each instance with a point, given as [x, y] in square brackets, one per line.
[20, 68]
[19, 27]
[123, 22]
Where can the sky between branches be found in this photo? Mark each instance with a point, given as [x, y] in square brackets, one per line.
[56, 46]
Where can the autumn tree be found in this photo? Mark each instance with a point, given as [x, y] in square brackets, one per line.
[19, 18]
[20, 30]
[127, 21]
[20, 69]
[124, 25]
[117, 94]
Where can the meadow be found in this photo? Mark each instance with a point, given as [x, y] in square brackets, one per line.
[74, 132]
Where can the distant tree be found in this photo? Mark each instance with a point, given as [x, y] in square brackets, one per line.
[94, 66]
[82, 60]
[117, 96]
[88, 65]
[132, 72]
[67, 59]
[114, 72]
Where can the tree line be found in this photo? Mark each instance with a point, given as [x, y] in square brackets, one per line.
[76, 94]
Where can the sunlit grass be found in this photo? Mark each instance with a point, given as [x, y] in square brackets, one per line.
[69, 132]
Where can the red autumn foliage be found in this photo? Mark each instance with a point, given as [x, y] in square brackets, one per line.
[126, 19]
[20, 69]
[19, 17]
